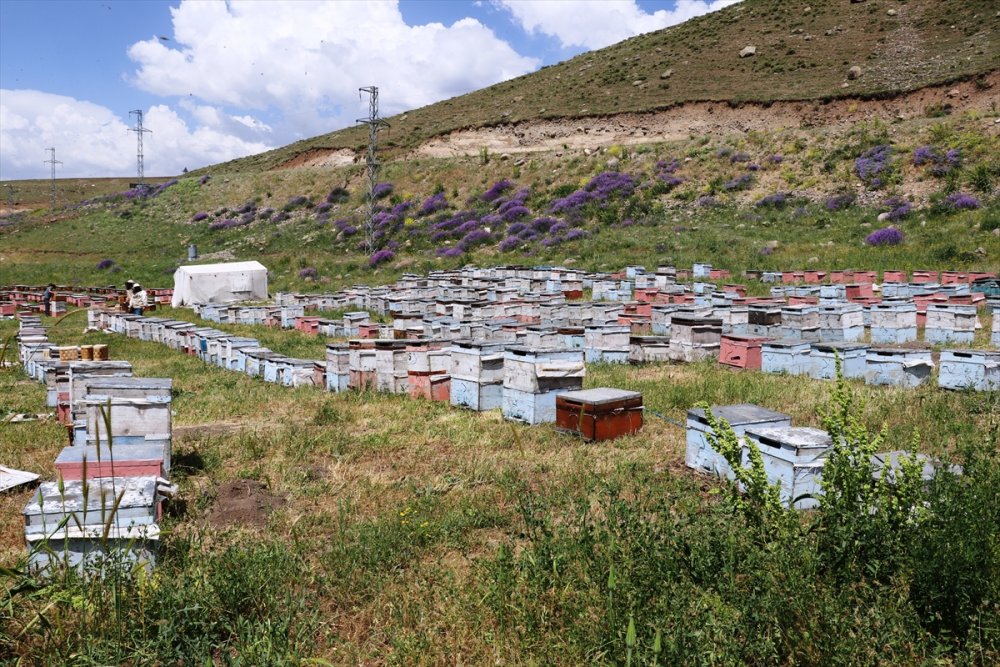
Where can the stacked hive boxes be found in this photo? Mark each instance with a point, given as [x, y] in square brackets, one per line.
[107, 503]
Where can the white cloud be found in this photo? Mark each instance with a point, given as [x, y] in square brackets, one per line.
[92, 141]
[595, 24]
[301, 63]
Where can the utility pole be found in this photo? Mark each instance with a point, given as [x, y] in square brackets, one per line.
[139, 130]
[374, 124]
[11, 195]
[53, 161]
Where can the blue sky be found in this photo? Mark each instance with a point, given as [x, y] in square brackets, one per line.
[218, 80]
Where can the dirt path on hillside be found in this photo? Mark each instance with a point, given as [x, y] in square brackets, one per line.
[700, 118]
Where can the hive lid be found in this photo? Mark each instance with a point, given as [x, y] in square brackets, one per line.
[599, 395]
[740, 414]
[797, 438]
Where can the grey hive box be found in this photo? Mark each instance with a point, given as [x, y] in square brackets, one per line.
[699, 454]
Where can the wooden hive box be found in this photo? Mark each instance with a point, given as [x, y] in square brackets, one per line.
[599, 414]
[785, 356]
[791, 460]
[741, 351]
[699, 454]
[271, 370]
[950, 323]
[899, 367]
[649, 349]
[143, 460]
[893, 323]
[978, 370]
[841, 323]
[68, 527]
[823, 360]
[133, 420]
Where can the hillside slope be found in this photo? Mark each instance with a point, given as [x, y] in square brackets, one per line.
[804, 51]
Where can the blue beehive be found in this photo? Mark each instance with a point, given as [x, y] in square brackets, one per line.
[791, 460]
[893, 323]
[978, 370]
[898, 366]
[533, 378]
[476, 374]
[701, 270]
[785, 356]
[823, 362]
[950, 323]
[699, 454]
[842, 322]
[995, 338]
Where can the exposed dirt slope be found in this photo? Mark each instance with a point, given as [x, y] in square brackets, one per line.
[699, 118]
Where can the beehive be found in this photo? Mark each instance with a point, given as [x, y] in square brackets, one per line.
[785, 356]
[897, 366]
[978, 370]
[791, 460]
[741, 351]
[893, 323]
[699, 453]
[599, 414]
[823, 360]
[950, 323]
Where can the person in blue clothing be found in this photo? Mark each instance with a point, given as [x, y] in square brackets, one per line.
[47, 297]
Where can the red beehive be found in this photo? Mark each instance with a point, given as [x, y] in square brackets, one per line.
[599, 414]
[815, 277]
[718, 274]
[954, 278]
[921, 277]
[894, 276]
[741, 351]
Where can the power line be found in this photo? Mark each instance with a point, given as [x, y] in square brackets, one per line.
[53, 161]
[139, 131]
[374, 124]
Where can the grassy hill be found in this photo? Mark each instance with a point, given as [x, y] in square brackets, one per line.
[804, 50]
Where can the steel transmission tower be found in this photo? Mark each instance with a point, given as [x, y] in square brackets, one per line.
[374, 124]
[53, 161]
[139, 131]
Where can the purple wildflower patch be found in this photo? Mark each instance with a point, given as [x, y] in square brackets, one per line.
[739, 157]
[574, 234]
[838, 202]
[874, 165]
[958, 201]
[308, 272]
[105, 264]
[474, 238]
[898, 208]
[509, 243]
[885, 236]
[381, 190]
[199, 216]
[515, 213]
[380, 257]
[433, 204]
[496, 190]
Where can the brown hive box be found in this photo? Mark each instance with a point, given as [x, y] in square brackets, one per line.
[599, 414]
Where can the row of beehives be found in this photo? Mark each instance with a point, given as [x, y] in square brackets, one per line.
[523, 382]
[106, 504]
[30, 298]
[793, 456]
[693, 334]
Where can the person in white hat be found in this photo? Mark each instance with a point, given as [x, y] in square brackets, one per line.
[138, 301]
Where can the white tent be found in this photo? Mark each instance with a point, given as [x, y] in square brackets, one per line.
[219, 283]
